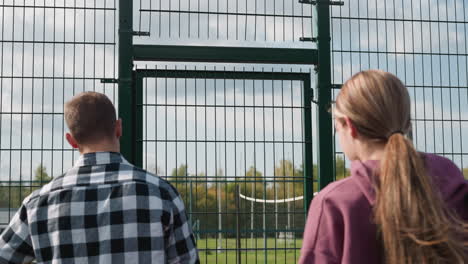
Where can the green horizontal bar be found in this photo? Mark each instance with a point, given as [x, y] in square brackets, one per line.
[224, 54]
[21, 182]
[271, 248]
[233, 231]
[226, 75]
[234, 180]
[57, 42]
[108, 80]
[400, 53]
[224, 141]
[48, 77]
[59, 7]
[399, 20]
[214, 106]
[223, 13]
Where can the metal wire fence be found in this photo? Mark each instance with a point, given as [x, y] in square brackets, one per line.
[209, 132]
[424, 43]
[233, 22]
[49, 51]
[211, 128]
[239, 139]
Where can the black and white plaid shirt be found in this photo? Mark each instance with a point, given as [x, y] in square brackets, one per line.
[103, 210]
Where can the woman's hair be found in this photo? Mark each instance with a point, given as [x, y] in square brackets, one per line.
[413, 221]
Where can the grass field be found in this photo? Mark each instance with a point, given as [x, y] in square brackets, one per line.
[253, 250]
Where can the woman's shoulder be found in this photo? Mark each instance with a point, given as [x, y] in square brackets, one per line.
[442, 168]
[448, 177]
[436, 158]
[341, 193]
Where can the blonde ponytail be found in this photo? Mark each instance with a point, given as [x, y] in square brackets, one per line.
[413, 222]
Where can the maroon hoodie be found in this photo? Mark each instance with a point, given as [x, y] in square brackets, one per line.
[339, 226]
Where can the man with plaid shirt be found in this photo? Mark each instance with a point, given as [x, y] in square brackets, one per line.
[103, 210]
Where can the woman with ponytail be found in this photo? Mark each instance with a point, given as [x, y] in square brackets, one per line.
[398, 206]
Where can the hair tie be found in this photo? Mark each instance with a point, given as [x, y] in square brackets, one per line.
[396, 132]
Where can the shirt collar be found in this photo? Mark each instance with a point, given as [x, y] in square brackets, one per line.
[100, 158]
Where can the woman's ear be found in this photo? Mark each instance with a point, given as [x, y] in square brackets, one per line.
[351, 127]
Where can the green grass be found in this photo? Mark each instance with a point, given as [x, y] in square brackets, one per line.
[253, 250]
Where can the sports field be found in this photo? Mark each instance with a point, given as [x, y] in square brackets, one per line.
[253, 250]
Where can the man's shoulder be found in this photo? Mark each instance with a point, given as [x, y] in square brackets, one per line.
[168, 191]
[128, 174]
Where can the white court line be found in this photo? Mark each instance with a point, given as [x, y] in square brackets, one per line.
[271, 201]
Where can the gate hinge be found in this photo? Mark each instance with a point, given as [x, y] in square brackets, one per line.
[325, 2]
[308, 39]
[140, 33]
[312, 96]
[109, 81]
[313, 39]
[136, 33]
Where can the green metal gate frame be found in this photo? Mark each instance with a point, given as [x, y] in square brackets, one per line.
[137, 130]
[321, 58]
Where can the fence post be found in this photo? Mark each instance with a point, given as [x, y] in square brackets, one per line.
[308, 151]
[238, 238]
[325, 137]
[126, 96]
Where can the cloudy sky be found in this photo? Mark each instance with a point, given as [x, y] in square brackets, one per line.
[62, 51]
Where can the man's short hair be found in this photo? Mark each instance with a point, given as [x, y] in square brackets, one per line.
[91, 117]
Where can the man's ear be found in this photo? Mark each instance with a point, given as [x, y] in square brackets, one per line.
[118, 128]
[71, 140]
[351, 127]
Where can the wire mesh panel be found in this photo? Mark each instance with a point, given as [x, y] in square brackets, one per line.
[212, 135]
[231, 22]
[233, 144]
[424, 43]
[49, 51]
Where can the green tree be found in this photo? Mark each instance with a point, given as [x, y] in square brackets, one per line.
[13, 194]
[289, 180]
[341, 171]
[252, 172]
[41, 176]
[179, 180]
[4, 196]
[181, 171]
[300, 173]
[252, 184]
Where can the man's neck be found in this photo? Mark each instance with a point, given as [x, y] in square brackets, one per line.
[99, 148]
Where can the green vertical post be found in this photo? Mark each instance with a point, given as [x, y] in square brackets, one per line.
[138, 123]
[126, 98]
[308, 151]
[238, 224]
[325, 137]
[190, 200]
